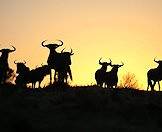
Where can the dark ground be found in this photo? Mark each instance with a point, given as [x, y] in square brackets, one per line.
[80, 109]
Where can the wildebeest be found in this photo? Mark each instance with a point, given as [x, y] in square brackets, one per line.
[63, 69]
[111, 77]
[100, 73]
[4, 66]
[154, 75]
[31, 76]
[60, 62]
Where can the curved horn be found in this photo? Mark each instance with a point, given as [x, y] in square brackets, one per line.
[14, 49]
[15, 62]
[121, 64]
[61, 42]
[155, 60]
[43, 43]
[71, 53]
[110, 60]
[62, 50]
[100, 61]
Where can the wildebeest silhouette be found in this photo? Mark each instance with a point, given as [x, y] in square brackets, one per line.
[111, 77]
[30, 76]
[4, 65]
[63, 69]
[154, 75]
[100, 73]
[60, 62]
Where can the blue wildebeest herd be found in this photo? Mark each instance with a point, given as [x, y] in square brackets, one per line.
[110, 78]
[60, 62]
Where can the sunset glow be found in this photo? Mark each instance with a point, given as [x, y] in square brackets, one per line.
[123, 30]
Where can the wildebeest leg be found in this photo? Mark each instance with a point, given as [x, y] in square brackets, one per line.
[51, 76]
[70, 73]
[32, 85]
[39, 84]
[55, 76]
[115, 86]
[159, 85]
[59, 76]
[152, 86]
[147, 87]
[149, 84]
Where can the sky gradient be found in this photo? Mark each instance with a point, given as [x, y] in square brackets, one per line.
[123, 30]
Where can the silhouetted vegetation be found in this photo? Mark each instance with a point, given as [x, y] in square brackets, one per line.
[87, 108]
[129, 81]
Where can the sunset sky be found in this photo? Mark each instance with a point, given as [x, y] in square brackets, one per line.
[123, 30]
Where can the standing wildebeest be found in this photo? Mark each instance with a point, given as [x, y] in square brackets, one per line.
[4, 66]
[60, 62]
[22, 71]
[111, 77]
[63, 69]
[38, 74]
[100, 73]
[154, 75]
[31, 76]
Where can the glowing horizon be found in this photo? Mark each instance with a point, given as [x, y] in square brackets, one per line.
[127, 31]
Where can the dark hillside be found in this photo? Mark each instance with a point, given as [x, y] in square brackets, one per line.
[83, 109]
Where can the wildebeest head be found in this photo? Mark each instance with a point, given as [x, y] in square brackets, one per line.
[66, 57]
[7, 51]
[104, 64]
[21, 68]
[52, 46]
[116, 66]
[158, 61]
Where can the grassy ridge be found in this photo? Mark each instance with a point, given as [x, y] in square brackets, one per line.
[85, 109]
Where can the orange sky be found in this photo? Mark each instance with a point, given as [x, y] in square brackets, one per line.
[123, 30]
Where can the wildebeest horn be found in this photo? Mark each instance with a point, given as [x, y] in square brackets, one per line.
[100, 61]
[71, 52]
[121, 64]
[43, 43]
[14, 49]
[62, 50]
[110, 60]
[156, 60]
[61, 42]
